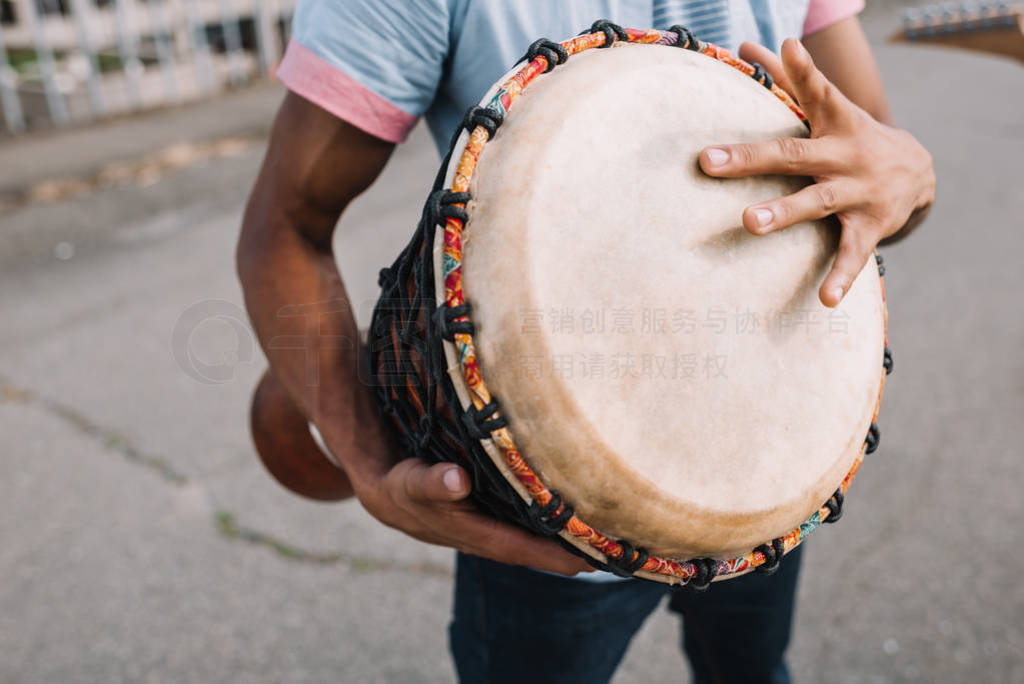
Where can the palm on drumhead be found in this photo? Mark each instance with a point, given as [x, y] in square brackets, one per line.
[875, 179]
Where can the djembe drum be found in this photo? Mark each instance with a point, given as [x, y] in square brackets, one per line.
[638, 376]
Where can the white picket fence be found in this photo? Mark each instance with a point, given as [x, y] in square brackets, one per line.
[65, 61]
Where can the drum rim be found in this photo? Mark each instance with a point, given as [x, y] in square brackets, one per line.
[469, 384]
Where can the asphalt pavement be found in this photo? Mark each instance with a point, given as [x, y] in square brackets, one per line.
[141, 540]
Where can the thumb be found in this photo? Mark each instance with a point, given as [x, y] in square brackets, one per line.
[440, 482]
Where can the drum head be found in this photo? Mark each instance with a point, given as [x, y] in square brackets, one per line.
[674, 377]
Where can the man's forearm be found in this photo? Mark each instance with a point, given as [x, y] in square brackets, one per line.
[302, 317]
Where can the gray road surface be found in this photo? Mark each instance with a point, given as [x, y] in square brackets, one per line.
[142, 542]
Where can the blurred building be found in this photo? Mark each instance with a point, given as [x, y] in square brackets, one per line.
[63, 61]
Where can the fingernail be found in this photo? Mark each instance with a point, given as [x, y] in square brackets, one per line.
[837, 293]
[452, 480]
[716, 156]
[762, 216]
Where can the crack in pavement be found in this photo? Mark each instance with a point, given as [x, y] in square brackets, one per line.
[225, 522]
[229, 528]
[113, 440]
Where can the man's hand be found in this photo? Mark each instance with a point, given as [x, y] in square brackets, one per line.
[876, 179]
[429, 502]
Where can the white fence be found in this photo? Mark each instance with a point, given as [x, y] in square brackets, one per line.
[63, 61]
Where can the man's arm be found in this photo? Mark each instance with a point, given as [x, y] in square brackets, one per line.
[315, 165]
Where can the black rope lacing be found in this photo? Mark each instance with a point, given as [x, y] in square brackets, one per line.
[881, 264]
[612, 32]
[632, 559]
[548, 517]
[887, 361]
[480, 421]
[446, 325]
[551, 51]
[685, 38]
[706, 571]
[441, 204]
[489, 118]
[873, 438]
[405, 363]
[835, 506]
[762, 76]
[772, 556]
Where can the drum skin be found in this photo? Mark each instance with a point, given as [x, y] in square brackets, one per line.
[674, 377]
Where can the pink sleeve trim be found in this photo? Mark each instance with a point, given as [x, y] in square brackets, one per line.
[310, 76]
[823, 13]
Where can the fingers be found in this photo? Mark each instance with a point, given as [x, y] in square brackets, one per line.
[752, 52]
[504, 543]
[438, 516]
[813, 202]
[855, 247]
[820, 100]
[435, 513]
[792, 156]
[423, 483]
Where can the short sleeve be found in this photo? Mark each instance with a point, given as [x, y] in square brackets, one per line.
[374, 63]
[823, 13]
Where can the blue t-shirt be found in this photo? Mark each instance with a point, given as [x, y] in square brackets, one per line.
[381, 65]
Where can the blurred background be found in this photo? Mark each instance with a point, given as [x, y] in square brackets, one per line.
[141, 539]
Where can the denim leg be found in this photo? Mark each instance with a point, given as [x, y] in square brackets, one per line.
[513, 624]
[738, 630]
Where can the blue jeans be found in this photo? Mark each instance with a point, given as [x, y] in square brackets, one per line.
[513, 624]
